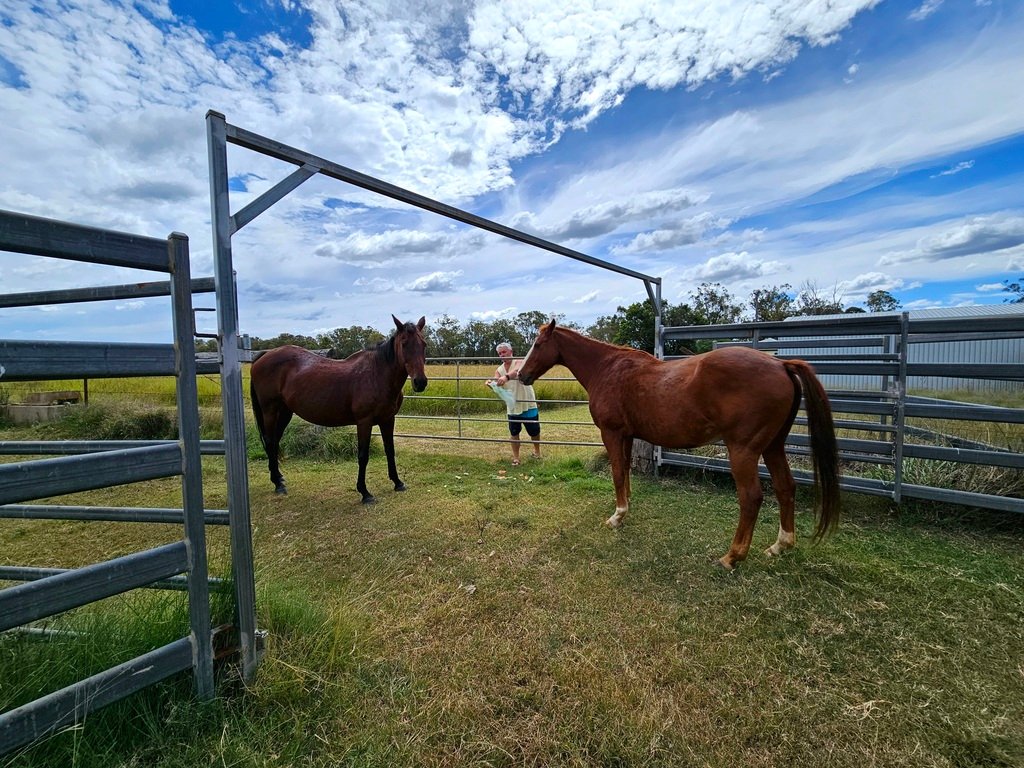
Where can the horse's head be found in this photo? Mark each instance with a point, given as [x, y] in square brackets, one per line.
[543, 355]
[411, 351]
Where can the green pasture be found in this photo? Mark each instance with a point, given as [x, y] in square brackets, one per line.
[487, 617]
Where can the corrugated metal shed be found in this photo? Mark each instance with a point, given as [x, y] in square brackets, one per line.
[943, 350]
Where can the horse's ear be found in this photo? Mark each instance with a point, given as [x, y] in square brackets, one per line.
[398, 323]
[422, 322]
[552, 323]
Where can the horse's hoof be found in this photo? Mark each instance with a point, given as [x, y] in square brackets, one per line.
[369, 499]
[721, 562]
[613, 522]
[281, 490]
[400, 487]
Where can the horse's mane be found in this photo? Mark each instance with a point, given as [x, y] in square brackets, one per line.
[611, 345]
[385, 350]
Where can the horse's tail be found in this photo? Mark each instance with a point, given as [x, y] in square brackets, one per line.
[824, 450]
[257, 411]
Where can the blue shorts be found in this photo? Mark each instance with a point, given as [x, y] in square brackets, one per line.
[529, 419]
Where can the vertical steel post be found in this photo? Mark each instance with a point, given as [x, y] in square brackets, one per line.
[192, 468]
[231, 394]
[901, 406]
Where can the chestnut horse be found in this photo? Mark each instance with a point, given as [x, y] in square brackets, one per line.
[364, 389]
[745, 398]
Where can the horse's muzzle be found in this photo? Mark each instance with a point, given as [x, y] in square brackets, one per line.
[419, 384]
[527, 380]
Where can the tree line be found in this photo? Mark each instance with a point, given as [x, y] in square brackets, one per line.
[632, 326]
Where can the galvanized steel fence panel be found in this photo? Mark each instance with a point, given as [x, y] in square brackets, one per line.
[46, 592]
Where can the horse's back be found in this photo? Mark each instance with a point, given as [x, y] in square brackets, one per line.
[690, 401]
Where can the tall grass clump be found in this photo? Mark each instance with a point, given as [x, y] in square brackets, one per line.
[84, 642]
[310, 441]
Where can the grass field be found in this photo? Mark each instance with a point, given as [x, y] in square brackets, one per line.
[486, 617]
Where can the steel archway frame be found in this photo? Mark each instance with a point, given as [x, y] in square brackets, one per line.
[220, 133]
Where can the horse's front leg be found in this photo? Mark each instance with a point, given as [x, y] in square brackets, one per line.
[363, 430]
[620, 453]
[387, 436]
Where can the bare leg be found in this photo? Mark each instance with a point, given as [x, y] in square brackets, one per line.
[536, 447]
[363, 430]
[387, 436]
[515, 449]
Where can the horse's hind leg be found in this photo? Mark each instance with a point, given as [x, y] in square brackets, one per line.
[278, 418]
[363, 430]
[785, 492]
[387, 436]
[748, 488]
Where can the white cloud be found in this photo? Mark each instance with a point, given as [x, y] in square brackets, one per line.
[926, 9]
[731, 267]
[375, 285]
[494, 314]
[989, 287]
[962, 166]
[587, 298]
[967, 237]
[435, 282]
[102, 121]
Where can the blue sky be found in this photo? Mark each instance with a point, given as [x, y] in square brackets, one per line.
[843, 145]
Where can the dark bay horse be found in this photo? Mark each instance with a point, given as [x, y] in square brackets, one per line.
[363, 389]
[746, 398]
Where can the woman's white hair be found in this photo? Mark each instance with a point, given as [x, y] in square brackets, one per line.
[503, 345]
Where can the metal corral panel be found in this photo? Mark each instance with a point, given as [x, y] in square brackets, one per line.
[940, 337]
[62, 708]
[55, 594]
[40, 360]
[22, 233]
[28, 480]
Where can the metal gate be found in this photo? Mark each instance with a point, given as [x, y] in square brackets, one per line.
[91, 465]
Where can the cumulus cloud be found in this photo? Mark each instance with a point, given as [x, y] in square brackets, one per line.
[579, 60]
[686, 232]
[384, 249]
[989, 287]
[968, 237]
[375, 285]
[730, 267]
[587, 298]
[606, 217]
[488, 315]
[435, 282]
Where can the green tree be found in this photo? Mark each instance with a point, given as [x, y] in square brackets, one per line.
[715, 304]
[773, 303]
[636, 328]
[882, 301]
[812, 301]
[344, 342]
[1016, 289]
[605, 327]
[444, 337]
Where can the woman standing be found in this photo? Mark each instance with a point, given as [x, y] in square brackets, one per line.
[521, 406]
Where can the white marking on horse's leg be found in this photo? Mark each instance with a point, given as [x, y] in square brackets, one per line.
[616, 520]
[785, 541]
